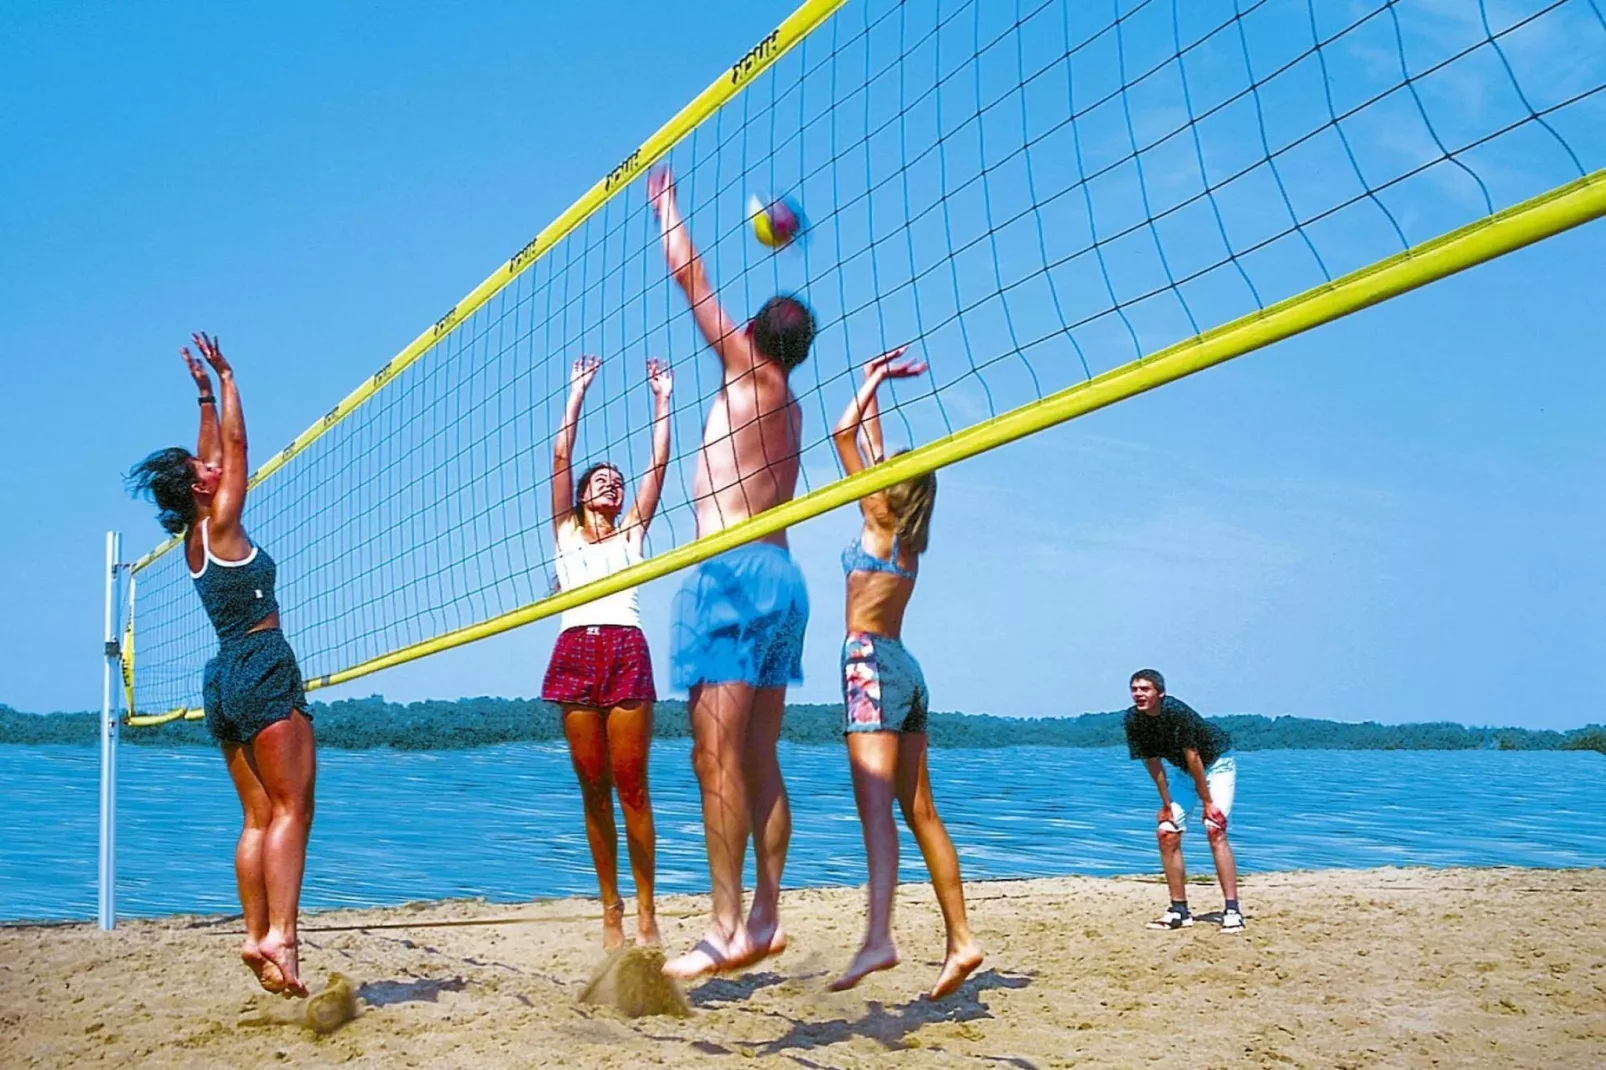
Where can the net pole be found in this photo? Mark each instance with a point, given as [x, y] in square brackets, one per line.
[111, 660]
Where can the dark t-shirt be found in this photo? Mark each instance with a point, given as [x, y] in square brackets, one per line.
[1172, 732]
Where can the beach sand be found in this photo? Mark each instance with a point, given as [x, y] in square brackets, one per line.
[1387, 967]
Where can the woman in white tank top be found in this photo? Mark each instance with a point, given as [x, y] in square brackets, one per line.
[600, 674]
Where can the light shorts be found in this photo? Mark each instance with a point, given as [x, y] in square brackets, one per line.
[1221, 776]
[739, 618]
[883, 689]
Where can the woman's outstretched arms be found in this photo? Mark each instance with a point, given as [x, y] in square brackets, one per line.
[580, 376]
[228, 501]
[858, 433]
[661, 381]
[209, 443]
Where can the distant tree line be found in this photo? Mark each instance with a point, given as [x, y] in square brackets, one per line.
[362, 723]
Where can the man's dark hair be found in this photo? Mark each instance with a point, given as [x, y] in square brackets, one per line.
[783, 330]
[165, 478]
[1151, 675]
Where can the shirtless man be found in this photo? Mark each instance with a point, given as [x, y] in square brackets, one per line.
[739, 617]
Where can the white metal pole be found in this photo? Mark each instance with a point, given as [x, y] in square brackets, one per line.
[108, 743]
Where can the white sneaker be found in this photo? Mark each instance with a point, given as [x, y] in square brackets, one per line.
[1173, 920]
[1232, 921]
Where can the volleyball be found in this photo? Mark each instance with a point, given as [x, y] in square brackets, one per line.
[775, 224]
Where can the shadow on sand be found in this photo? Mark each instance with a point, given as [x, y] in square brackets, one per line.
[888, 1026]
[424, 990]
[720, 990]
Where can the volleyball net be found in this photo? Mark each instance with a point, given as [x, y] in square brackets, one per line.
[1058, 205]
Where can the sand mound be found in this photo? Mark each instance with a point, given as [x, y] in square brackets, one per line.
[631, 981]
[323, 1012]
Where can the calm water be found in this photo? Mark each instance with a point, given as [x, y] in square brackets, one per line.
[504, 822]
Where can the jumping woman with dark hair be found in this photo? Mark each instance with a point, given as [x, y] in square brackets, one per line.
[601, 670]
[252, 688]
[885, 693]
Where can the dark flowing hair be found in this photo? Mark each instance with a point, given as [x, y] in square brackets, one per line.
[165, 477]
[580, 488]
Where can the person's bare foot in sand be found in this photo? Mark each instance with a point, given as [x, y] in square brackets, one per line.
[613, 926]
[715, 953]
[267, 974]
[282, 955]
[960, 964]
[647, 928]
[871, 957]
[763, 941]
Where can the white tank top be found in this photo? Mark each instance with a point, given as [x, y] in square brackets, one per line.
[581, 561]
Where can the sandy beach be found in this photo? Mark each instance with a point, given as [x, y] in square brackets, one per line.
[1387, 967]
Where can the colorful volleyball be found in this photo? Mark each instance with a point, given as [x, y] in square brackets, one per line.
[774, 224]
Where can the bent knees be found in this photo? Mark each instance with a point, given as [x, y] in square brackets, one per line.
[1169, 841]
[1217, 835]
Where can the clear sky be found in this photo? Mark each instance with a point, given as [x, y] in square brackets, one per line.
[1396, 517]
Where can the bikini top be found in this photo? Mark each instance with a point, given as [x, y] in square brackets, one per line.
[857, 559]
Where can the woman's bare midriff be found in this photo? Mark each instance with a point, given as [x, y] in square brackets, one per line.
[876, 603]
[265, 624]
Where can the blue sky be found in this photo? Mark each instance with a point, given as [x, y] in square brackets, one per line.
[1396, 517]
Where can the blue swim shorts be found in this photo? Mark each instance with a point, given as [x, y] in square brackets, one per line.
[739, 618]
[883, 689]
[251, 683]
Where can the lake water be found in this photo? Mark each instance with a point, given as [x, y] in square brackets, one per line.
[504, 822]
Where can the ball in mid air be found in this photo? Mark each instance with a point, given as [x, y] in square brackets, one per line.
[775, 223]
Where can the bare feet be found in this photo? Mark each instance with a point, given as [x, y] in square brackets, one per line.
[267, 974]
[713, 954]
[960, 964]
[613, 926]
[871, 957]
[647, 927]
[761, 943]
[282, 954]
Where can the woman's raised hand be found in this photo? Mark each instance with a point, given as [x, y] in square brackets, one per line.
[585, 369]
[198, 372]
[660, 380]
[889, 366]
[208, 346]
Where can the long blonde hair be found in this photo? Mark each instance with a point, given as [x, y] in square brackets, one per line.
[911, 503]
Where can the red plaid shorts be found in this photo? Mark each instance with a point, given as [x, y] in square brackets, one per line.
[600, 666]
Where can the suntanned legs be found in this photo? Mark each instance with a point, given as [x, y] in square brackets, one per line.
[1226, 867]
[274, 776]
[887, 764]
[248, 878]
[1176, 874]
[609, 750]
[735, 728]
[720, 714]
[873, 758]
[942, 861]
[770, 811]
